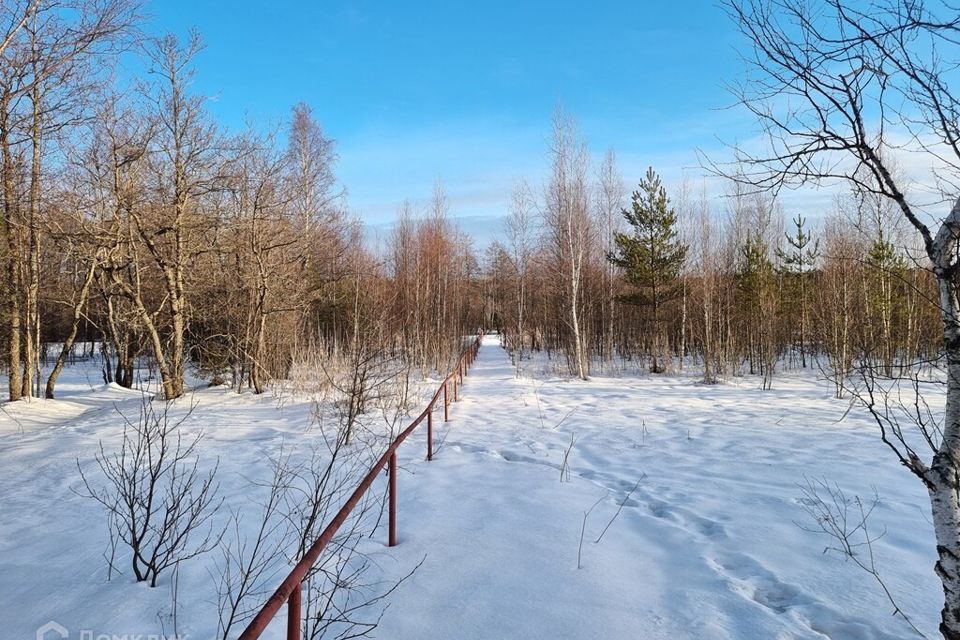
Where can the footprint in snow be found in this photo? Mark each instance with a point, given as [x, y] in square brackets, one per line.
[753, 581]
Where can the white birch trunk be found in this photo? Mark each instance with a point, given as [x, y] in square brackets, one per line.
[942, 478]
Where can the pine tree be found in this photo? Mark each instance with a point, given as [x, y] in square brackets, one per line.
[651, 256]
[756, 297]
[885, 300]
[797, 262]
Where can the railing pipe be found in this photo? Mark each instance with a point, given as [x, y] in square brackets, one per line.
[393, 499]
[430, 433]
[290, 590]
[293, 613]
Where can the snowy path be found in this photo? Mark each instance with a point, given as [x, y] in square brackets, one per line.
[707, 547]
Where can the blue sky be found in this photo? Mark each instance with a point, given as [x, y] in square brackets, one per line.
[414, 92]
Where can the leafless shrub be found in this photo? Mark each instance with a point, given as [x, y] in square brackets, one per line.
[158, 501]
[366, 379]
[845, 520]
[318, 488]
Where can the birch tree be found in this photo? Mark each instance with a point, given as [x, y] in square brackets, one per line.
[706, 259]
[609, 202]
[570, 232]
[521, 235]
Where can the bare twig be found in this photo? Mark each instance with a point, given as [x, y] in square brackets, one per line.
[583, 527]
[620, 508]
[565, 467]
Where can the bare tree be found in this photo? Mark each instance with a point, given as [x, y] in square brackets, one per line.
[706, 260]
[266, 247]
[312, 156]
[570, 230]
[341, 598]
[13, 80]
[87, 274]
[609, 202]
[521, 235]
[183, 167]
[111, 183]
[836, 298]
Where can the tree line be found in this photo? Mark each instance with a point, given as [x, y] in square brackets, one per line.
[605, 278]
[136, 226]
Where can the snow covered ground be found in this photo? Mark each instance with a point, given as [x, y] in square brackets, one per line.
[708, 545]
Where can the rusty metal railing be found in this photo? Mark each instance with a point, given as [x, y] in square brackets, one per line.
[290, 590]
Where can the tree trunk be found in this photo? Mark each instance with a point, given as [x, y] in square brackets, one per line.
[31, 362]
[943, 476]
[174, 386]
[683, 324]
[12, 251]
[803, 318]
[942, 480]
[71, 338]
[575, 324]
